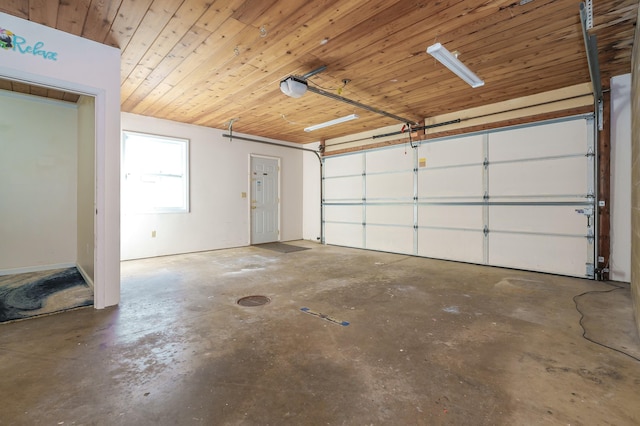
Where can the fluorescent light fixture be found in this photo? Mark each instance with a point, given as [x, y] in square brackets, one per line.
[293, 87]
[331, 122]
[447, 59]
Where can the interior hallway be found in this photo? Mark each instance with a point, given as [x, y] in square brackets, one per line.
[429, 342]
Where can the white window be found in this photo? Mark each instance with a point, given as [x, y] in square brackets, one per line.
[155, 173]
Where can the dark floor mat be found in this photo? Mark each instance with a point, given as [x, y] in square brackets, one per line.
[41, 293]
[281, 247]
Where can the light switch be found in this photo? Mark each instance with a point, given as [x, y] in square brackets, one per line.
[244, 195]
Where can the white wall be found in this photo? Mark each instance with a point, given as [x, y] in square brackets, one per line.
[219, 216]
[91, 68]
[38, 175]
[311, 197]
[86, 187]
[620, 263]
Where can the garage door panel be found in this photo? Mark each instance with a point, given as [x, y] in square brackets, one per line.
[345, 188]
[390, 214]
[343, 165]
[465, 246]
[343, 214]
[558, 255]
[451, 182]
[517, 210]
[445, 216]
[539, 219]
[390, 186]
[453, 151]
[342, 234]
[539, 178]
[391, 159]
[550, 139]
[393, 239]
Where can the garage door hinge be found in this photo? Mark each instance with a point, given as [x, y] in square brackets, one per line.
[588, 211]
[485, 231]
[485, 197]
[590, 235]
[590, 153]
[485, 163]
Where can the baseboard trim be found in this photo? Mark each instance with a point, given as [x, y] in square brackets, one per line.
[37, 268]
[84, 274]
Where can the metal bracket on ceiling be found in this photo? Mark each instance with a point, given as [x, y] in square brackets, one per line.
[230, 126]
[589, 13]
[591, 47]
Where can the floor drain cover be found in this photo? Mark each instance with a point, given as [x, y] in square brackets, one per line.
[254, 301]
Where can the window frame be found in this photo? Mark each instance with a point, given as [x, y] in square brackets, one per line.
[185, 177]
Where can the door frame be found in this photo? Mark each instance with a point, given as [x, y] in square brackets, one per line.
[99, 281]
[250, 193]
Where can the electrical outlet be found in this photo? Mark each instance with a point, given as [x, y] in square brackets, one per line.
[244, 195]
[153, 234]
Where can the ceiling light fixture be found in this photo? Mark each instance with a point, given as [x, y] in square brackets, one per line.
[450, 61]
[331, 122]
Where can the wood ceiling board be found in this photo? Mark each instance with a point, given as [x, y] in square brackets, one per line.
[72, 15]
[196, 59]
[197, 78]
[99, 18]
[179, 34]
[44, 12]
[135, 90]
[158, 16]
[421, 62]
[127, 21]
[19, 8]
[5, 84]
[416, 65]
[179, 60]
[201, 76]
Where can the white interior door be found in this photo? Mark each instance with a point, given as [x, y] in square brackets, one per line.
[265, 199]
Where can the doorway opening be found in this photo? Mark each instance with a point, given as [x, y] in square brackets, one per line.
[50, 189]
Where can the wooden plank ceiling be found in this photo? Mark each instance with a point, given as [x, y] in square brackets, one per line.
[207, 62]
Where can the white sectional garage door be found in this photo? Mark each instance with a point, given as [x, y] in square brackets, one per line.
[519, 198]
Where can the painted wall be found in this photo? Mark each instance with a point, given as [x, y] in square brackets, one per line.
[635, 177]
[91, 68]
[38, 174]
[219, 216]
[311, 194]
[620, 260]
[86, 187]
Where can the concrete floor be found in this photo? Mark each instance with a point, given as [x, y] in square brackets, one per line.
[429, 343]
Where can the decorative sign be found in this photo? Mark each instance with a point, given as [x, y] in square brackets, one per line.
[11, 41]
